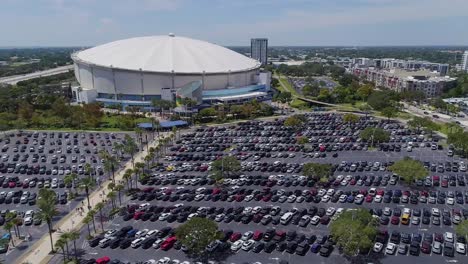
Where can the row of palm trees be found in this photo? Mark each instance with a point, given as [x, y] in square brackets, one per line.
[63, 244]
[46, 201]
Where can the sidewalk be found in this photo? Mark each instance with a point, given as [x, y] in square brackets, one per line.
[39, 252]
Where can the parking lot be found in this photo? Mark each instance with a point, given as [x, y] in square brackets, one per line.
[32, 160]
[271, 213]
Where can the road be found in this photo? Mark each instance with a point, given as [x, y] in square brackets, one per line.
[442, 117]
[18, 78]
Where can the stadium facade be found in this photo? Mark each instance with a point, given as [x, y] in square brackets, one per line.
[133, 72]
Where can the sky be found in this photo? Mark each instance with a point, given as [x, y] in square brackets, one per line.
[234, 22]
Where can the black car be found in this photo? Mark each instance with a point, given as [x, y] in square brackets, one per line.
[449, 250]
[302, 248]
[258, 247]
[326, 250]
[125, 243]
[95, 241]
[415, 248]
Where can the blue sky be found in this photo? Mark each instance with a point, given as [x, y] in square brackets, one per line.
[234, 22]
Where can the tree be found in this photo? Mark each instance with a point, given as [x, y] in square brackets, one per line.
[110, 163]
[87, 184]
[7, 227]
[87, 220]
[378, 100]
[354, 231]
[417, 123]
[374, 135]
[99, 206]
[462, 229]
[225, 167]
[119, 188]
[73, 236]
[47, 210]
[409, 170]
[317, 170]
[389, 112]
[207, 113]
[365, 108]
[365, 91]
[294, 121]
[130, 147]
[197, 233]
[350, 118]
[60, 243]
[302, 140]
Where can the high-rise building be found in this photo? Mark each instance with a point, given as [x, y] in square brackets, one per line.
[259, 50]
[464, 64]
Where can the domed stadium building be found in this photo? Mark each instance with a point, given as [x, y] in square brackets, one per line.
[133, 72]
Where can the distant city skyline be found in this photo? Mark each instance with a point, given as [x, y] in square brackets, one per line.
[234, 23]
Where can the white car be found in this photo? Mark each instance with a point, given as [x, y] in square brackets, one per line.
[292, 199]
[450, 201]
[390, 249]
[29, 213]
[248, 198]
[141, 233]
[378, 199]
[331, 211]
[219, 217]
[460, 248]
[237, 245]
[378, 247]
[248, 244]
[152, 233]
[448, 237]
[137, 242]
[325, 199]
[343, 198]
[247, 235]
[164, 216]
[315, 220]
[110, 233]
[164, 260]
[28, 220]
[199, 197]
[157, 243]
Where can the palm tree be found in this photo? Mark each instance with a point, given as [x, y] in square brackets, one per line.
[99, 207]
[111, 195]
[69, 180]
[89, 170]
[60, 243]
[147, 160]
[7, 227]
[65, 237]
[127, 177]
[17, 221]
[119, 147]
[74, 235]
[91, 214]
[47, 210]
[87, 220]
[87, 184]
[119, 188]
[110, 163]
[130, 147]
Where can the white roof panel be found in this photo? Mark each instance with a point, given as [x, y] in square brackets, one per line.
[167, 54]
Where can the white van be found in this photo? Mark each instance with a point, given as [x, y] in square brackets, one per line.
[286, 218]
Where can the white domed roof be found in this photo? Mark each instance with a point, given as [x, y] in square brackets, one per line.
[166, 54]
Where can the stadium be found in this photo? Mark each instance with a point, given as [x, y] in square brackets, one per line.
[133, 72]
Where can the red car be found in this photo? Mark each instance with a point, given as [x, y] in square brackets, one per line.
[368, 198]
[12, 184]
[426, 247]
[395, 220]
[216, 191]
[257, 235]
[324, 220]
[234, 237]
[138, 215]
[380, 192]
[363, 192]
[352, 182]
[168, 243]
[103, 260]
[444, 183]
[267, 197]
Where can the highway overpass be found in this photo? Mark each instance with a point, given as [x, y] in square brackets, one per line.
[18, 78]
